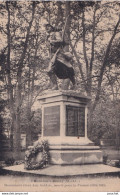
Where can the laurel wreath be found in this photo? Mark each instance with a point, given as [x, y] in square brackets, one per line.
[41, 147]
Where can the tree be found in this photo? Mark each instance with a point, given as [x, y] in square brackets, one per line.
[14, 64]
[85, 45]
[24, 49]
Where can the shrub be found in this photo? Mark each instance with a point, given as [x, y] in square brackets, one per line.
[9, 161]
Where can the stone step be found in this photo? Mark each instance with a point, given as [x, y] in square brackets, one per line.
[63, 171]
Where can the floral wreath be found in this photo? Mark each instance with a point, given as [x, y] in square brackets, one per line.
[32, 152]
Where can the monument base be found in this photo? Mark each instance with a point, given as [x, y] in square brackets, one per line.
[75, 157]
[64, 126]
[71, 154]
[73, 151]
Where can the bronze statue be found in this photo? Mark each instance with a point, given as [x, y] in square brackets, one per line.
[60, 64]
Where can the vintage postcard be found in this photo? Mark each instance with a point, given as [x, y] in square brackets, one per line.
[60, 96]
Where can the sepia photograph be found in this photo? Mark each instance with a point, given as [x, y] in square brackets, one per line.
[60, 96]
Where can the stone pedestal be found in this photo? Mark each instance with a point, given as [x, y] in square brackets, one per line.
[64, 125]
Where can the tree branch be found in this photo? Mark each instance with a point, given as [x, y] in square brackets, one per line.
[80, 67]
[105, 63]
[84, 41]
[10, 87]
[93, 42]
[20, 63]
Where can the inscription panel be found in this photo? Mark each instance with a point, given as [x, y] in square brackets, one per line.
[75, 117]
[52, 121]
[81, 122]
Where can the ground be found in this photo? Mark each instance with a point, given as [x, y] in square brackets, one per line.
[22, 182]
[46, 183]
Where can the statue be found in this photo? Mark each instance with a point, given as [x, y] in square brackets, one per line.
[61, 61]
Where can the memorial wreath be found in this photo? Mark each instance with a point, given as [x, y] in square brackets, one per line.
[40, 148]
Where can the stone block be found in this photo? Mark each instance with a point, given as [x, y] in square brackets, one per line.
[75, 157]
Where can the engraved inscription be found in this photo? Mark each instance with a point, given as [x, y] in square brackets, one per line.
[75, 117]
[52, 121]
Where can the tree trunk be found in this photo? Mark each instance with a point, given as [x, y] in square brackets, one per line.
[90, 119]
[29, 128]
[17, 137]
[17, 130]
[12, 131]
[8, 74]
[17, 141]
[15, 102]
[102, 70]
[66, 82]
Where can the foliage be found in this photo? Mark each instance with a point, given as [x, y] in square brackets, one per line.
[117, 163]
[87, 32]
[35, 123]
[9, 161]
[105, 158]
[32, 152]
[105, 118]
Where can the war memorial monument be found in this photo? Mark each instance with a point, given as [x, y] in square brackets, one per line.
[64, 112]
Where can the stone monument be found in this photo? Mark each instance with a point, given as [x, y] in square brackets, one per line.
[64, 125]
[64, 112]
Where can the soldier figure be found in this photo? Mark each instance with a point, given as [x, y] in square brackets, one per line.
[60, 63]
